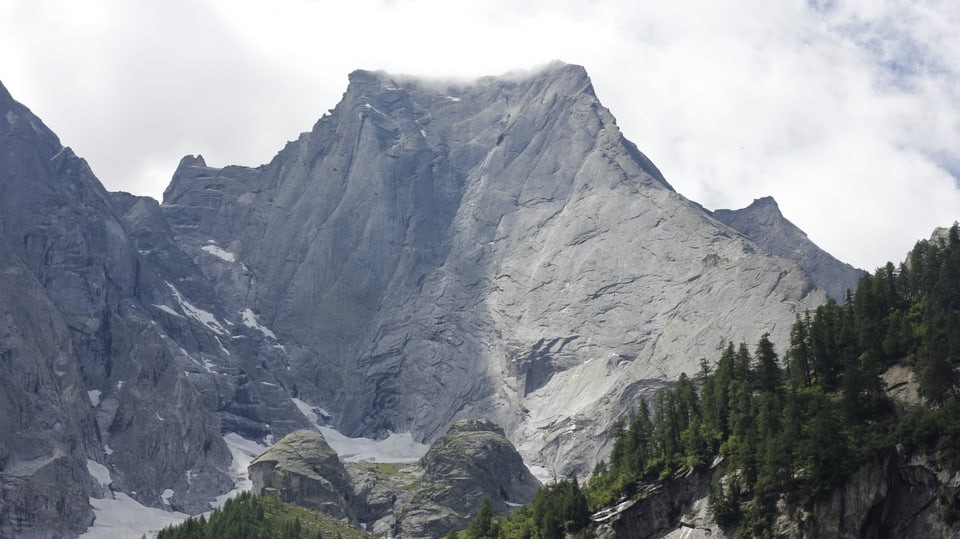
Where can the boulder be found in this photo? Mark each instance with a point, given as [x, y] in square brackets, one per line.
[303, 470]
[473, 461]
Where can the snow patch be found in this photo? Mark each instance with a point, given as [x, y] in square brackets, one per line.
[219, 253]
[168, 310]
[166, 495]
[243, 452]
[397, 447]
[124, 518]
[454, 99]
[310, 411]
[375, 109]
[222, 347]
[197, 314]
[209, 365]
[107, 450]
[99, 472]
[250, 320]
[94, 396]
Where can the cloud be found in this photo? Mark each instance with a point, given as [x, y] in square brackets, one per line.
[848, 112]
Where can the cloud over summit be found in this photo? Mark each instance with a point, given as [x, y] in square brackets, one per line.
[848, 112]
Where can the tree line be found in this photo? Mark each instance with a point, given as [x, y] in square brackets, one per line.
[247, 516]
[791, 428]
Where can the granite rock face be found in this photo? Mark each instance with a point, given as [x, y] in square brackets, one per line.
[115, 352]
[87, 374]
[501, 236]
[903, 495]
[763, 223]
[428, 252]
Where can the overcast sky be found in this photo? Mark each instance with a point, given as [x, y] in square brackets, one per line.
[847, 112]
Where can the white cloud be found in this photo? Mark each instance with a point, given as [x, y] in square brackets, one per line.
[848, 112]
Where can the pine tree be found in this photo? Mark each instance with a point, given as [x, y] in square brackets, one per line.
[799, 360]
[480, 527]
[768, 370]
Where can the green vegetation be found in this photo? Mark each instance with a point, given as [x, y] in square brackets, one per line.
[791, 429]
[252, 517]
[776, 429]
[557, 510]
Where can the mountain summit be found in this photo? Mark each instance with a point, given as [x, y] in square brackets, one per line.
[428, 252]
[763, 223]
[497, 249]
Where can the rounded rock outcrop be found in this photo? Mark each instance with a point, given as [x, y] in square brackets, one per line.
[302, 469]
[473, 461]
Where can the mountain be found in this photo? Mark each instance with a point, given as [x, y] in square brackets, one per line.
[428, 252]
[89, 377]
[501, 236]
[763, 223]
[117, 375]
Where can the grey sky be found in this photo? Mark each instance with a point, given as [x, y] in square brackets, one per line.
[848, 112]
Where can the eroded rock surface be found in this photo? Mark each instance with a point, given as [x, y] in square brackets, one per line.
[87, 374]
[763, 223]
[495, 249]
[428, 252]
[473, 461]
[304, 470]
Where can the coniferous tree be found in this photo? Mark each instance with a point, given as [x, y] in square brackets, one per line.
[480, 526]
[768, 370]
[799, 356]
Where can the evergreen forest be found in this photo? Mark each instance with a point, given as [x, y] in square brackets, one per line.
[789, 428]
[252, 517]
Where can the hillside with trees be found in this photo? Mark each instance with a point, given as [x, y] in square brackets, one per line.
[775, 432]
[784, 431]
[253, 517]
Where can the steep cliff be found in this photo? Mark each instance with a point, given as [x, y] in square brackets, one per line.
[428, 252]
[87, 376]
[763, 223]
[501, 236]
[902, 495]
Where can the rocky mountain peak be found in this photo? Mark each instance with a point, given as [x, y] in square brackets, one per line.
[764, 224]
[765, 205]
[500, 234]
[428, 252]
